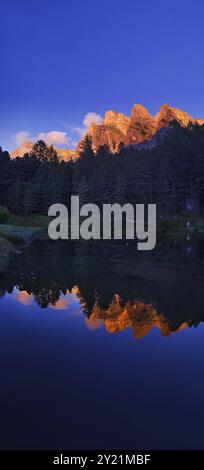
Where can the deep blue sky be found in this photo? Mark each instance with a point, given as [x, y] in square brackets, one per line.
[61, 59]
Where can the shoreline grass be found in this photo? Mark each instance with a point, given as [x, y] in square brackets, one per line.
[19, 234]
[23, 229]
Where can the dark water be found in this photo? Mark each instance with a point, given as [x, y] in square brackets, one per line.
[102, 346]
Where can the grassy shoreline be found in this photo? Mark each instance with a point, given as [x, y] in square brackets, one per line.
[21, 230]
[35, 220]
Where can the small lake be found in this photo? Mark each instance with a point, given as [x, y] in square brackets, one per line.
[102, 346]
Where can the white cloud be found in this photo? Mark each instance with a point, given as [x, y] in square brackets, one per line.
[21, 137]
[80, 131]
[89, 118]
[54, 138]
[59, 137]
[92, 117]
[73, 143]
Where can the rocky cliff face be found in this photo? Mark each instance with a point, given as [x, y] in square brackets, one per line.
[66, 154]
[141, 126]
[25, 147]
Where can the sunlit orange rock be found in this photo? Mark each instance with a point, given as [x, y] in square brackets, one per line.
[137, 316]
[141, 126]
[117, 129]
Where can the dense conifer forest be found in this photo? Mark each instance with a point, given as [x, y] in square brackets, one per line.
[170, 174]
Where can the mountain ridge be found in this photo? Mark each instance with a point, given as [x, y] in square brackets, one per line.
[117, 129]
[140, 126]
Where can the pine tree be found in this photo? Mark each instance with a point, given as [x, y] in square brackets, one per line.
[40, 150]
[85, 147]
[52, 155]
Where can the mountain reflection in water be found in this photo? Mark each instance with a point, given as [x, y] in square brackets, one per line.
[112, 285]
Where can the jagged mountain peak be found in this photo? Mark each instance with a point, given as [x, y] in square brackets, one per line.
[117, 128]
[140, 126]
[119, 120]
[139, 110]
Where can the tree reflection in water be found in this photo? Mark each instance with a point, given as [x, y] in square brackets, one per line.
[112, 284]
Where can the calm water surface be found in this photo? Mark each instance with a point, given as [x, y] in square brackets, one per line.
[102, 347]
